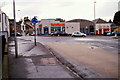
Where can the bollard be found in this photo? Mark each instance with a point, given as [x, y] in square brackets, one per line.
[115, 36]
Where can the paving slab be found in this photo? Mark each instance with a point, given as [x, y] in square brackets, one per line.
[34, 62]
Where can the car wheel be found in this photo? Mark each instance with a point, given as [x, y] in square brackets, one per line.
[83, 35]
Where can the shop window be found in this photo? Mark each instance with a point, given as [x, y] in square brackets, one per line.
[63, 28]
[100, 31]
[96, 32]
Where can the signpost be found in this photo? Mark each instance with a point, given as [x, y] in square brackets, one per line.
[34, 21]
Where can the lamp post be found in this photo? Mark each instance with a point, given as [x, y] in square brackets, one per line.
[16, 50]
[94, 10]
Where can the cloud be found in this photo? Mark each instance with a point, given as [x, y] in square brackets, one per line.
[107, 9]
[66, 9]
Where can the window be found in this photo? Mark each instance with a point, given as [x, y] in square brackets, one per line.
[6, 20]
[75, 32]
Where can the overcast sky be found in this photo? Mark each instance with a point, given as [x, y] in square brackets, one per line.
[65, 9]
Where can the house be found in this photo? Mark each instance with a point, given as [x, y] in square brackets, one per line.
[26, 27]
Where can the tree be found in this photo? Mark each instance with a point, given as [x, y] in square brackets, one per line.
[110, 21]
[116, 19]
[26, 19]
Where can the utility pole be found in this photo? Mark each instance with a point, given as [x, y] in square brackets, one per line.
[16, 50]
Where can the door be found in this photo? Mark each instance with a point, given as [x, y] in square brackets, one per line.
[86, 31]
[46, 30]
[100, 31]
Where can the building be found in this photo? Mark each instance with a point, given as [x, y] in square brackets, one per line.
[44, 26]
[4, 22]
[11, 23]
[85, 26]
[47, 26]
[26, 27]
[101, 26]
[71, 27]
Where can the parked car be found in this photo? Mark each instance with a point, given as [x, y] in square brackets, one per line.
[78, 34]
[92, 33]
[107, 33]
[59, 33]
[17, 34]
[113, 33]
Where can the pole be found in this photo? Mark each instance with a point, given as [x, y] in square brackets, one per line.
[94, 9]
[35, 34]
[94, 15]
[16, 51]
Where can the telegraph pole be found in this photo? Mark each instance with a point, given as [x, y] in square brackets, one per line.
[16, 50]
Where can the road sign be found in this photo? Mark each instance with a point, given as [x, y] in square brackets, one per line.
[34, 20]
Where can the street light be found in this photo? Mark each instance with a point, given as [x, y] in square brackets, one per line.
[94, 10]
[16, 50]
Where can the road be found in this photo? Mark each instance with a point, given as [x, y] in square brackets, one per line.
[96, 53]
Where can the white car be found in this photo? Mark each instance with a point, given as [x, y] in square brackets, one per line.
[78, 34]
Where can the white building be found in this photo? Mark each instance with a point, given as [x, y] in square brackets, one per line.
[45, 25]
[4, 22]
[72, 26]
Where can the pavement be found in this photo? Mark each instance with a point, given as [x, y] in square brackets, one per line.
[34, 62]
[0, 70]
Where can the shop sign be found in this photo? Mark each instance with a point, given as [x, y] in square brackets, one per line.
[58, 25]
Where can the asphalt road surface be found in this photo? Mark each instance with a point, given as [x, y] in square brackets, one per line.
[98, 53]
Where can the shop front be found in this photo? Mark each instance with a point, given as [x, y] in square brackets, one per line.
[46, 30]
[57, 27]
[39, 29]
[101, 29]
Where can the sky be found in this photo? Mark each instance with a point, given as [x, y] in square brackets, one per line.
[65, 9]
